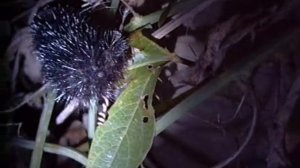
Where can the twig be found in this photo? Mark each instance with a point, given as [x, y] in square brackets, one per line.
[250, 134]
[15, 72]
[124, 16]
[173, 24]
[19, 125]
[130, 8]
[236, 111]
[26, 100]
[209, 123]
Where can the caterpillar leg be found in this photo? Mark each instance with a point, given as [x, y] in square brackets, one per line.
[101, 118]
[67, 111]
[102, 115]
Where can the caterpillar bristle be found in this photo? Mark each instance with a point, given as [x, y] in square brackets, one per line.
[79, 60]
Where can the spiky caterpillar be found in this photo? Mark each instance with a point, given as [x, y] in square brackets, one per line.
[80, 61]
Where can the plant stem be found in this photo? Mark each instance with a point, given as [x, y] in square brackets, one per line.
[92, 118]
[114, 6]
[53, 148]
[36, 157]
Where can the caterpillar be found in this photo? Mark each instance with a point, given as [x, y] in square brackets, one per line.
[80, 61]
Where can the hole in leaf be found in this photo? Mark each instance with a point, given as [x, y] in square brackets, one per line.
[145, 99]
[145, 119]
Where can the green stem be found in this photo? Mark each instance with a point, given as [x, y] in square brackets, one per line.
[114, 6]
[92, 118]
[37, 154]
[55, 149]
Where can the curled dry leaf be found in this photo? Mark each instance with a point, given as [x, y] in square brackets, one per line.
[75, 134]
[221, 38]
[21, 46]
[135, 3]
[187, 47]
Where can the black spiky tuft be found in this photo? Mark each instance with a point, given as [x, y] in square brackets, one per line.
[79, 60]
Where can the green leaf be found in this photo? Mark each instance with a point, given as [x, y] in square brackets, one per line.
[148, 52]
[126, 137]
[179, 7]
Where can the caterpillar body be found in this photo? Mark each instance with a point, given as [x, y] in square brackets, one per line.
[80, 61]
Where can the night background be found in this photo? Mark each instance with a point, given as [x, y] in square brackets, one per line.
[221, 78]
